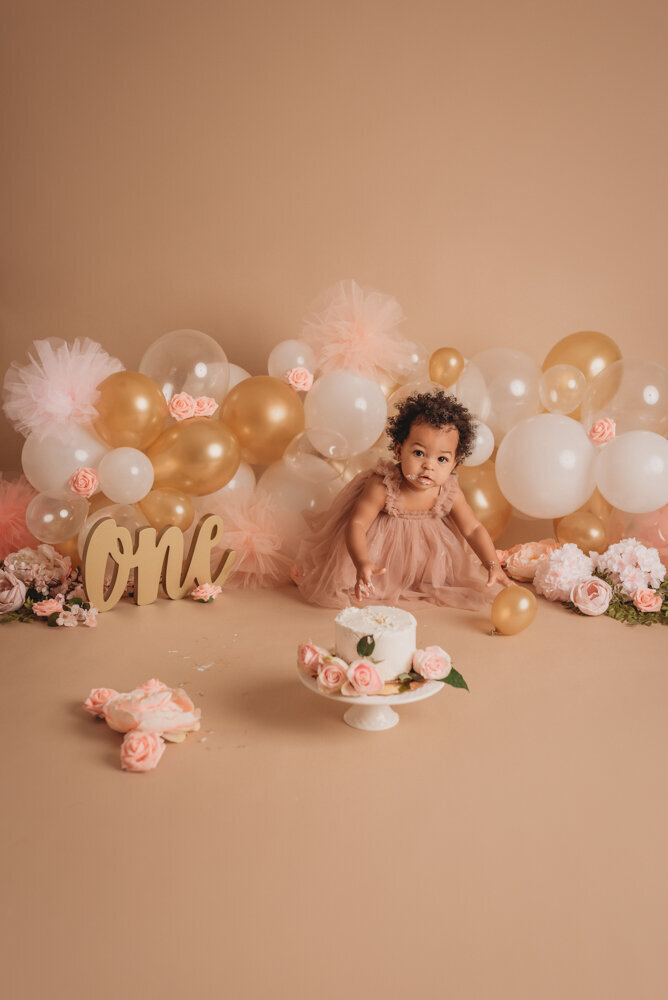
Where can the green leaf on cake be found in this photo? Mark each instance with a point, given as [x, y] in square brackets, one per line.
[455, 680]
[366, 645]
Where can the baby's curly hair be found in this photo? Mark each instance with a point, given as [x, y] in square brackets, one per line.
[438, 409]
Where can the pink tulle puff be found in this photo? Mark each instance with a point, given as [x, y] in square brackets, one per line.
[356, 329]
[58, 386]
[256, 529]
[15, 495]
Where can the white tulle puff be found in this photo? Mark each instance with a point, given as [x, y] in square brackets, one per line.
[58, 386]
[356, 329]
[255, 528]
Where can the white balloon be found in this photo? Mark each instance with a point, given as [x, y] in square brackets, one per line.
[290, 354]
[49, 462]
[240, 485]
[471, 390]
[545, 466]
[294, 492]
[632, 472]
[512, 381]
[344, 406]
[126, 475]
[483, 445]
[561, 388]
[633, 393]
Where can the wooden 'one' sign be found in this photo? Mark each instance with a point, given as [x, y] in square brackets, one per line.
[154, 558]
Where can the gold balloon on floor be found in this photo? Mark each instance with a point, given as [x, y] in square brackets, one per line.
[196, 456]
[587, 350]
[513, 610]
[583, 529]
[479, 486]
[265, 414]
[131, 410]
[165, 506]
[445, 366]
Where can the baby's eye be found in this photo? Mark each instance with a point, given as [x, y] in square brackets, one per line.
[442, 458]
[418, 452]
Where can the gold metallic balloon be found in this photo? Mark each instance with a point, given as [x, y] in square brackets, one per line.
[132, 410]
[97, 501]
[583, 529]
[445, 366]
[587, 350]
[513, 610]
[196, 456]
[387, 383]
[265, 414]
[596, 504]
[165, 506]
[479, 486]
[70, 548]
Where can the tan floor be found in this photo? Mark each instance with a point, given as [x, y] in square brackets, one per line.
[506, 843]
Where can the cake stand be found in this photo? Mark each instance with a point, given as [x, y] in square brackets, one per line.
[374, 712]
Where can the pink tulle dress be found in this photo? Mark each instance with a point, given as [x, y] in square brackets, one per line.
[425, 556]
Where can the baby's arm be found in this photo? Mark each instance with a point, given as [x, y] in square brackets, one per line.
[479, 539]
[362, 516]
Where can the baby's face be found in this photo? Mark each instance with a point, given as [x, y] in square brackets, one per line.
[428, 455]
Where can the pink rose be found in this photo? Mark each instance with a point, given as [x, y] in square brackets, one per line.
[141, 751]
[647, 600]
[332, 675]
[12, 592]
[300, 379]
[68, 619]
[206, 592]
[205, 406]
[97, 699]
[362, 678]
[153, 685]
[432, 663]
[84, 482]
[591, 596]
[602, 431]
[311, 658]
[181, 406]
[522, 563]
[45, 608]
[168, 711]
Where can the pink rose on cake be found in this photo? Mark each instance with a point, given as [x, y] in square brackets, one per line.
[523, 560]
[141, 751]
[162, 711]
[556, 576]
[362, 679]
[311, 658]
[332, 675]
[591, 596]
[432, 663]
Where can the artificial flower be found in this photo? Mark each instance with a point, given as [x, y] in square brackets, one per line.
[591, 596]
[12, 592]
[205, 406]
[84, 482]
[332, 675]
[602, 431]
[300, 379]
[206, 592]
[141, 751]
[522, 562]
[165, 711]
[556, 576]
[647, 601]
[432, 663]
[362, 678]
[181, 406]
[97, 699]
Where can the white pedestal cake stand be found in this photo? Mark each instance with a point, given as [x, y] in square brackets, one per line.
[374, 712]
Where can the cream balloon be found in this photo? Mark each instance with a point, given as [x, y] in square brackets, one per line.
[55, 519]
[633, 393]
[126, 475]
[483, 445]
[125, 515]
[295, 493]
[415, 369]
[290, 354]
[49, 462]
[237, 375]
[511, 378]
[471, 390]
[305, 459]
[187, 361]
[365, 460]
[562, 388]
[343, 405]
[545, 466]
[632, 472]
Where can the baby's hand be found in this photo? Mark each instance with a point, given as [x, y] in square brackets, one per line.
[363, 586]
[496, 575]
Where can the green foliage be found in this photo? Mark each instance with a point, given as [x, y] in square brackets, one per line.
[625, 611]
[366, 645]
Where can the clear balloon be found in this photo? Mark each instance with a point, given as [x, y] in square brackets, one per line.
[632, 472]
[265, 414]
[545, 466]
[290, 354]
[197, 456]
[633, 393]
[55, 519]
[471, 390]
[125, 515]
[586, 350]
[513, 610]
[483, 445]
[365, 460]
[126, 475]
[165, 506]
[49, 462]
[132, 410]
[344, 406]
[445, 366]
[187, 361]
[651, 529]
[417, 368]
[237, 375]
[562, 388]
[511, 378]
[240, 485]
[294, 492]
[479, 485]
[305, 459]
[583, 529]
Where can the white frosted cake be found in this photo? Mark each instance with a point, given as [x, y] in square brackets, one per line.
[394, 633]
